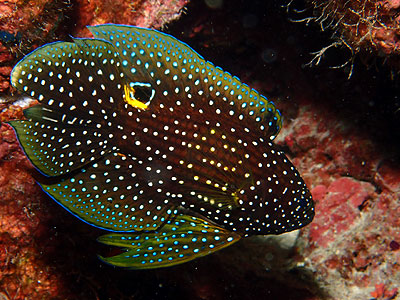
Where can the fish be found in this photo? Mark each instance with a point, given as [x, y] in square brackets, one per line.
[137, 134]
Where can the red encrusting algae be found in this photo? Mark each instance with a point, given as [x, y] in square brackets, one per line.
[34, 23]
[381, 292]
[350, 251]
[350, 242]
[26, 244]
[22, 274]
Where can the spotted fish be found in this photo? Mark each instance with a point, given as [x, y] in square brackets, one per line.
[140, 136]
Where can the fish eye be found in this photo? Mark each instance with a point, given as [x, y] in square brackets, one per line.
[142, 93]
[139, 94]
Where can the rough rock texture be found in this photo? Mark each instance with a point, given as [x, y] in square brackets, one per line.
[143, 13]
[348, 245]
[368, 27]
[341, 135]
[25, 25]
[21, 273]
[34, 264]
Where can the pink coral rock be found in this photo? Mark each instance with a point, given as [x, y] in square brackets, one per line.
[347, 246]
[350, 251]
[34, 23]
[143, 13]
[19, 220]
[27, 268]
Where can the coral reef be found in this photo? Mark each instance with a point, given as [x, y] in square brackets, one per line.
[31, 266]
[25, 25]
[20, 273]
[355, 187]
[369, 27]
[143, 13]
[341, 135]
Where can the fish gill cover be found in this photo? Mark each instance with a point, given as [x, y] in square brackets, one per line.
[140, 136]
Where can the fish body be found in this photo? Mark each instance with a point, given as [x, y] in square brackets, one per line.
[142, 137]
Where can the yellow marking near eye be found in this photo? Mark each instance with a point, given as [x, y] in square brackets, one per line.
[131, 100]
[235, 199]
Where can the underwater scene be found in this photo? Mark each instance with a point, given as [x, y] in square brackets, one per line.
[199, 149]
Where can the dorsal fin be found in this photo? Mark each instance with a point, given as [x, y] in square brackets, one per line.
[171, 66]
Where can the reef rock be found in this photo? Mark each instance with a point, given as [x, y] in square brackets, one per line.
[25, 25]
[369, 27]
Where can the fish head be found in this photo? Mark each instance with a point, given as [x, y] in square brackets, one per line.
[273, 197]
[251, 187]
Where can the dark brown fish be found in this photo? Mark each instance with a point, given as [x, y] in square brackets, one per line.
[143, 137]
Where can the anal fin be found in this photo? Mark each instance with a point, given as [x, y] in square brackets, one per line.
[180, 240]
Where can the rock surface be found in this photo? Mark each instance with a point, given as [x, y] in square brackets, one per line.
[369, 28]
[25, 25]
